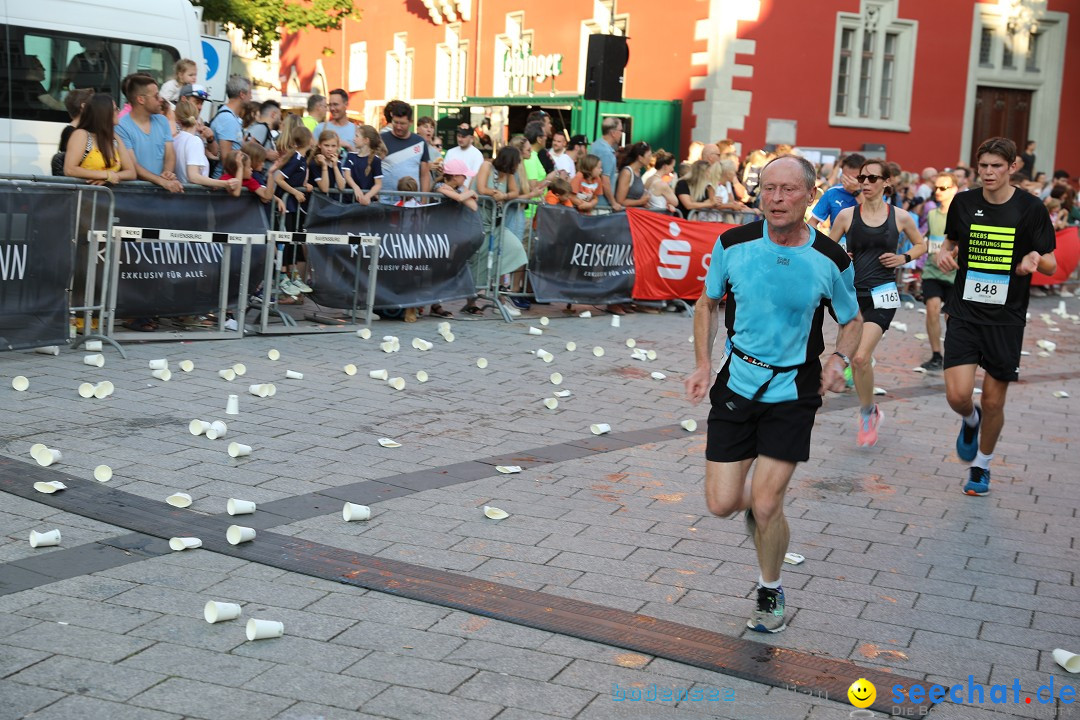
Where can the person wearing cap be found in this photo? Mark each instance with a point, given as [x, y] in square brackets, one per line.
[465, 151]
[565, 156]
[199, 95]
[455, 183]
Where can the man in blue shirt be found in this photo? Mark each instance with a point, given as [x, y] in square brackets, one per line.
[228, 130]
[147, 134]
[604, 148]
[779, 275]
[843, 195]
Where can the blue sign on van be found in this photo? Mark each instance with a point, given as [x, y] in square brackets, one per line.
[217, 56]
[212, 62]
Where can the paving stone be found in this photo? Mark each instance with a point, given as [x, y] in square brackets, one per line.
[442, 677]
[88, 708]
[311, 685]
[77, 642]
[526, 694]
[192, 632]
[22, 700]
[209, 701]
[86, 677]
[497, 657]
[88, 613]
[197, 664]
[311, 711]
[407, 703]
[393, 639]
[14, 659]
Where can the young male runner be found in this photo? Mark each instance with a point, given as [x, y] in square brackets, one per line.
[937, 286]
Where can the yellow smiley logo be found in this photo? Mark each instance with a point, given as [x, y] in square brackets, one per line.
[862, 693]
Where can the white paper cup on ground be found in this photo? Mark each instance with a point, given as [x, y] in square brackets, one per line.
[421, 376]
[264, 629]
[47, 457]
[232, 407]
[690, 425]
[271, 389]
[86, 390]
[389, 443]
[239, 507]
[50, 350]
[387, 347]
[179, 544]
[273, 354]
[45, 539]
[198, 427]
[545, 321]
[163, 375]
[442, 328]
[36, 448]
[586, 314]
[103, 473]
[240, 369]
[239, 450]
[294, 375]
[179, 500]
[599, 428]
[551, 403]
[216, 430]
[187, 365]
[651, 354]
[631, 342]
[1069, 661]
[159, 364]
[615, 322]
[237, 534]
[449, 337]
[398, 383]
[378, 374]
[20, 383]
[259, 390]
[353, 512]
[571, 346]
[363, 334]
[103, 389]
[562, 393]
[93, 345]
[215, 611]
[495, 513]
[349, 369]
[547, 357]
[535, 330]
[481, 363]
[227, 374]
[598, 351]
[422, 344]
[658, 376]
[53, 485]
[556, 378]
[97, 360]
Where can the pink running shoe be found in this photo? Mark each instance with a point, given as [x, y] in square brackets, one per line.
[868, 427]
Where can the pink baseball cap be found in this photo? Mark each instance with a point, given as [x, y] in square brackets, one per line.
[457, 167]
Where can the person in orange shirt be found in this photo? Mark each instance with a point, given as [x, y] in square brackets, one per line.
[559, 192]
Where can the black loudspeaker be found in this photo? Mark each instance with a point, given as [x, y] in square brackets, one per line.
[608, 55]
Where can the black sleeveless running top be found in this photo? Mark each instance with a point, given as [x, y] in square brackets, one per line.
[866, 244]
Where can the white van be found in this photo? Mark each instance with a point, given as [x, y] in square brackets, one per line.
[49, 47]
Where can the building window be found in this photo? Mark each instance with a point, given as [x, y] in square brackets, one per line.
[875, 93]
[451, 61]
[606, 20]
[399, 69]
[986, 48]
[358, 63]
[1032, 62]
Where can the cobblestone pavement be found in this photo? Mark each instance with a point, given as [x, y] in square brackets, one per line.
[902, 571]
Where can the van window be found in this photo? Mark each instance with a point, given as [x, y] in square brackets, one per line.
[43, 65]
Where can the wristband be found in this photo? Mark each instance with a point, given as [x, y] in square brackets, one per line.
[907, 258]
[845, 358]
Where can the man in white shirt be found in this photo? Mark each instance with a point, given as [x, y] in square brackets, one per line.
[564, 161]
[465, 151]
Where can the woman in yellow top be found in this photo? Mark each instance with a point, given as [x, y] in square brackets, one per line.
[94, 151]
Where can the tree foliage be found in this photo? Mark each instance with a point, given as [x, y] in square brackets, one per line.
[261, 21]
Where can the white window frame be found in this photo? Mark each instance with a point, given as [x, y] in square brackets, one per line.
[399, 69]
[451, 65]
[878, 17]
[606, 20]
[358, 66]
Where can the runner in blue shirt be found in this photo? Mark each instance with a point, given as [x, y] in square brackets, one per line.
[780, 276]
[843, 195]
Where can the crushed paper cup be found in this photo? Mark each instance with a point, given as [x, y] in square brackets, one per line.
[421, 376]
[47, 457]
[86, 390]
[187, 366]
[103, 389]
[163, 375]
[535, 330]
[495, 513]
[508, 469]
[93, 345]
[215, 611]
[294, 375]
[909, 305]
[45, 539]
[49, 487]
[398, 383]
[794, 558]
[879, 391]
[1055, 329]
[19, 383]
[898, 326]
[49, 350]
[481, 363]
[919, 369]
[556, 378]
[1060, 394]
[362, 333]
[349, 369]
[159, 364]
[237, 534]
[631, 342]
[922, 311]
[1046, 345]
[352, 512]
[1025, 353]
[179, 500]
[198, 427]
[388, 443]
[599, 428]
[615, 322]
[639, 354]
[240, 369]
[216, 430]
[689, 425]
[227, 374]
[571, 346]
[921, 336]
[274, 354]
[599, 351]
[378, 374]
[545, 321]
[551, 403]
[239, 507]
[264, 629]
[103, 473]
[179, 544]
[562, 393]
[1069, 661]
[658, 376]
[1043, 354]
[239, 450]
[586, 314]
[97, 360]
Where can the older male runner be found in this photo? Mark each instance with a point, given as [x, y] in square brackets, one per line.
[779, 275]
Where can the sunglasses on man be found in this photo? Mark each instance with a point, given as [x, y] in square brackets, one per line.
[943, 188]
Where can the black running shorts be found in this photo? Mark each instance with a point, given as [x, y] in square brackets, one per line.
[995, 348]
[740, 428]
[932, 288]
[870, 314]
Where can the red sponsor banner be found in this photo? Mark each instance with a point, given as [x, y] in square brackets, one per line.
[671, 255]
[1067, 254]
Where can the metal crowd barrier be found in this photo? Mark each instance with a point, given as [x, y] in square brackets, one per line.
[721, 216]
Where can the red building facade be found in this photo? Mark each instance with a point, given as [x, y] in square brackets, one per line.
[925, 79]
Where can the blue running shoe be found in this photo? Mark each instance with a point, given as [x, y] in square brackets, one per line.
[768, 616]
[967, 442]
[978, 483]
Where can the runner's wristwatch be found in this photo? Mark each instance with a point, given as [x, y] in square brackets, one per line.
[845, 358]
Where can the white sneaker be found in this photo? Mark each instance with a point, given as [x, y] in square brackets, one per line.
[287, 286]
[301, 285]
[511, 310]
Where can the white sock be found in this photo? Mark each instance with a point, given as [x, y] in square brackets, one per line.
[983, 461]
[771, 585]
[973, 419]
